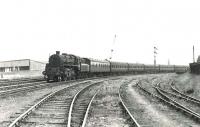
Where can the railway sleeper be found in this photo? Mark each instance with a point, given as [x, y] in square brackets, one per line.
[48, 115]
[56, 108]
[45, 111]
[53, 106]
[46, 120]
[52, 109]
[34, 124]
[76, 121]
[56, 103]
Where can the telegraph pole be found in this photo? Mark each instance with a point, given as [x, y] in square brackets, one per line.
[155, 52]
[168, 62]
[193, 55]
[112, 50]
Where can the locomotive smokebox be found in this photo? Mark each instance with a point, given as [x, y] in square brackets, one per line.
[57, 52]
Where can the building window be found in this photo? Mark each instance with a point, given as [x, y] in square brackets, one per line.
[22, 68]
[2, 69]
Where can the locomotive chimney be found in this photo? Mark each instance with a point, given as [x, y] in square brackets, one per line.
[57, 52]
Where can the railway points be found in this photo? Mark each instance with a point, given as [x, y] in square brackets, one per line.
[57, 101]
[125, 96]
[190, 104]
[106, 109]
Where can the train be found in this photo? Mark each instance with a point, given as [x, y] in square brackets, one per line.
[62, 67]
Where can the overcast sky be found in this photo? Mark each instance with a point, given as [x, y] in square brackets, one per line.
[36, 28]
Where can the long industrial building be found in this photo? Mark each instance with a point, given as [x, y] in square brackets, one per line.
[21, 65]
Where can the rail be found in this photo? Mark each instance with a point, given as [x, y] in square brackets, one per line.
[191, 98]
[127, 110]
[16, 122]
[72, 103]
[183, 108]
[179, 96]
[171, 102]
[87, 111]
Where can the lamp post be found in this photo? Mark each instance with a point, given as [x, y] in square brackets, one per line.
[112, 49]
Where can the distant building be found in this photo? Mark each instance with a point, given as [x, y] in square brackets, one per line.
[21, 65]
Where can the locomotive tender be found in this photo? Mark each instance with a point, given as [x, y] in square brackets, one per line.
[67, 66]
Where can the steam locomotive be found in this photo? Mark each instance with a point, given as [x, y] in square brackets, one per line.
[67, 66]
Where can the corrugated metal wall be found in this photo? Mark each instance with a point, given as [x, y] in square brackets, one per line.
[20, 65]
[24, 62]
[35, 65]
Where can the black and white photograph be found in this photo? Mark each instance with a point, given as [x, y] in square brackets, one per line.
[99, 63]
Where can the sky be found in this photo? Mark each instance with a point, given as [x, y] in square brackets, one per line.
[35, 29]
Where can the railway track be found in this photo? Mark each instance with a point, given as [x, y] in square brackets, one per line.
[26, 87]
[19, 81]
[143, 107]
[177, 94]
[184, 95]
[183, 101]
[172, 103]
[7, 87]
[61, 108]
[22, 88]
[126, 105]
[194, 117]
[80, 106]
